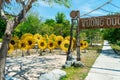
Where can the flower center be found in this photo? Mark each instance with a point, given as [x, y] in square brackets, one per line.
[42, 44]
[29, 42]
[12, 42]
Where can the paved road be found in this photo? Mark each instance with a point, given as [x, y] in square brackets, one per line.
[107, 65]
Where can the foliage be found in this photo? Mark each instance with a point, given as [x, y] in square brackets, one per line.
[50, 22]
[115, 47]
[62, 25]
[46, 29]
[60, 17]
[64, 2]
[112, 35]
[30, 25]
[91, 35]
[0, 40]
[2, 27]
[33, 25]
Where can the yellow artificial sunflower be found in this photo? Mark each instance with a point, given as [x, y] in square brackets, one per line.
[10, 48]
[30, 41]
[65, 45]
[23, 45]
[51, 45]
[45, 37]
[42, 44]
[26, 35]
[59, 40]
[14, 41]
[81, 44]
[85, 44]
[73, 41]
[52, 37]
[37, 37]
[15, 37]
[67, 37]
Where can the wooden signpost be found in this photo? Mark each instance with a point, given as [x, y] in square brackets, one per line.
[110, 21]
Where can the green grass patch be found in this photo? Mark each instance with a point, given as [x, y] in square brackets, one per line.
[115, 47]
[88, 58]
[0, 40]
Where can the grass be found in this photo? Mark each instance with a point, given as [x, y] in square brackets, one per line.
[0, 40]
[88, 58]
[115, 47]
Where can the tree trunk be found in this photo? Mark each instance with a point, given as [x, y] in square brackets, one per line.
[2, 68]
[4, 48]
[69, 48]
[3, 54]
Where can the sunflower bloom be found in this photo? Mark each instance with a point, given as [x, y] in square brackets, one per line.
[67, 37]
[42, 44]
[52, 37]
[23, 45]
[14, 41]
[37, 37]
[85, 44]
[51, 45]
[10, 48]
[26, 35]
[45, 37]
[65, 45]
[30, 41]
[59, 40]
[81, 44]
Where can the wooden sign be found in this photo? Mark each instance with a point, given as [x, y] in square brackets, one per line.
[111, 21]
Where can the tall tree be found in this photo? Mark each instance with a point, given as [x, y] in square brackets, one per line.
[60, 17]
[12, 23]
[30, 25]
[50, 22]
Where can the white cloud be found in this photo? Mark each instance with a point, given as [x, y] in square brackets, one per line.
[43, 4]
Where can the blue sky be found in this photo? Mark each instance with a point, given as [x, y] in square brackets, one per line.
[46, 11]
[84, 6]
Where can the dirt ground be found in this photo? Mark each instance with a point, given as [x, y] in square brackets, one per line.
[31, 67]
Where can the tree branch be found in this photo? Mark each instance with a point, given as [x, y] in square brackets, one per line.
[2, 13]
[26, 8]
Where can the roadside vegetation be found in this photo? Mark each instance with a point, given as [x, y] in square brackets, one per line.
[88, 58]
[112, 35]
[0, 40]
